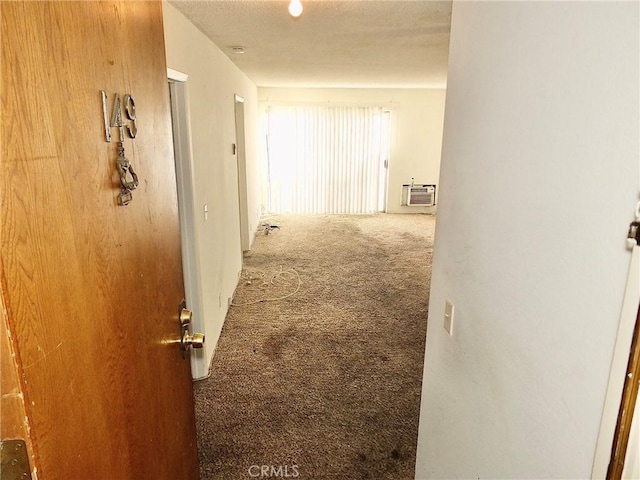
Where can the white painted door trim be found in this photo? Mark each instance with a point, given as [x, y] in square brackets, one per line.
[241, 160]
[616, 382]
[188, 212]
[176, 76]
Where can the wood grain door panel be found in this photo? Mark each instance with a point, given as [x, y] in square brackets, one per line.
[91, 288]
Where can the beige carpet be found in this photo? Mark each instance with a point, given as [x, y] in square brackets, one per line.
[324, 382]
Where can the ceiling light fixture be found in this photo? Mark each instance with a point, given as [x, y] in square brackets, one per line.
[237, 49]
[295, 8]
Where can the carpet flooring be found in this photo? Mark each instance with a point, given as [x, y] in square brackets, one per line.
[323, 379]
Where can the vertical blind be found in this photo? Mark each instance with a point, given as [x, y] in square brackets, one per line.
[325, 159]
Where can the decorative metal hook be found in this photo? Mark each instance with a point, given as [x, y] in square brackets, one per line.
[124, 167]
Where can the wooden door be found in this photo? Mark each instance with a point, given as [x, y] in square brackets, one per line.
[92, 288]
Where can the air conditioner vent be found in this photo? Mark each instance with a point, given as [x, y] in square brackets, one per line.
[423, 196]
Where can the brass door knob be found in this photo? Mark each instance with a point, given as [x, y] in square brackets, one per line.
[187, 340]
[195, 341]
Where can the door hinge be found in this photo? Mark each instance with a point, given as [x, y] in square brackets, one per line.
[634, 232]
[15, 460]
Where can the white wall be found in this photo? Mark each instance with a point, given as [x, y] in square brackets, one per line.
[416, 128]
[213, 81]
[538, 185]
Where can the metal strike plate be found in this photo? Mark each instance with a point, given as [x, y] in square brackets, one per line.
[15, 460]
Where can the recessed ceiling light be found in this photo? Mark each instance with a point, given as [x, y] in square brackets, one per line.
[237, 50]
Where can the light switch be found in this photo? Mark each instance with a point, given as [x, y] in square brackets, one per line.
[448, 316]
[205, 208]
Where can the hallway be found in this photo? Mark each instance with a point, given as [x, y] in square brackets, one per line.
[325, 382]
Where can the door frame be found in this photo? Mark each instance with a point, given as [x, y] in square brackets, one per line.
[181, 127]
[618, 372]
[241, 161]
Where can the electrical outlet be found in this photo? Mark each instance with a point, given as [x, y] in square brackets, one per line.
[448, 316]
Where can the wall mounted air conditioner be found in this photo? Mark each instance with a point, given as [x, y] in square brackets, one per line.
[422, 196]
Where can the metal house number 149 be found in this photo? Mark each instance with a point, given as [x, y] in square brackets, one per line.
[116, 116]
[128, 178]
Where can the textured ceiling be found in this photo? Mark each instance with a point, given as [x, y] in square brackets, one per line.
[352, 43]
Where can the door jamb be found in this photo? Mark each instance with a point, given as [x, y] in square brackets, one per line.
[187, 208]
[618, 369]
[241, 159]
[624, 427]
